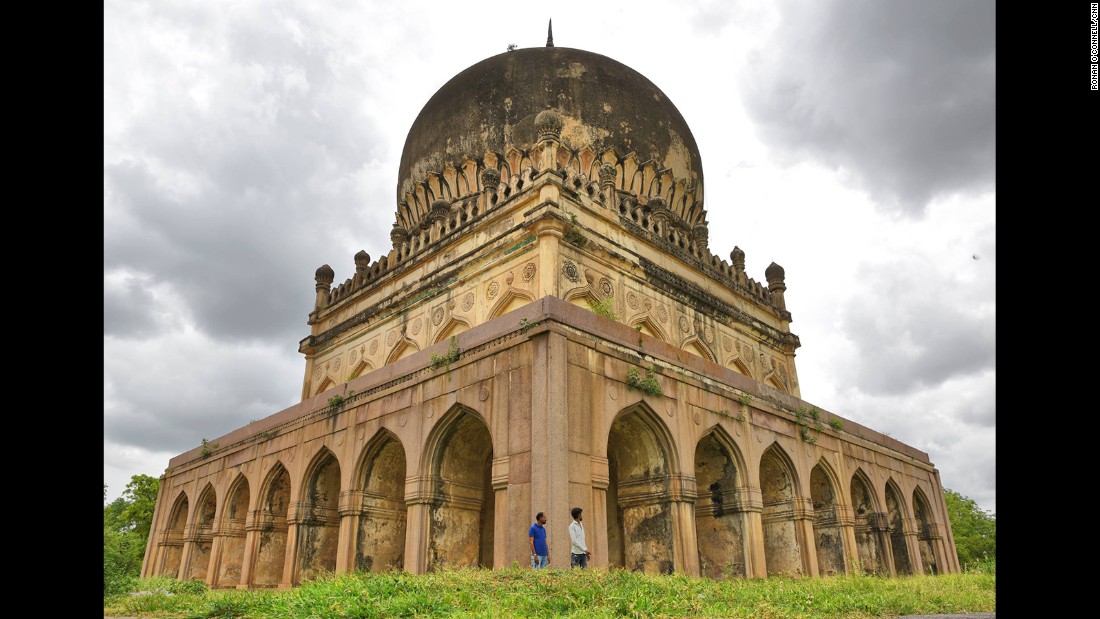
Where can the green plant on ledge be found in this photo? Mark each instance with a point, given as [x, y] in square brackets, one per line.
[603, 308]
[744, 399]
[648, 384]
[836, 424]
[525, 326]
[572, 235]
[805, 432]
[207, 448]
[446, 360]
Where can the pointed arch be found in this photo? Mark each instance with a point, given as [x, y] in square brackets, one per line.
[325, 386]
[231, 528]
[380, 481]
[451, 328]
[896, 517]
[272, 514]
[202, 533]
[926, 532]
[645, 324]
[737, 365]
[404, 348]
[362, 368]
[773, 380]
[779, 492]
[459, 457]
[172, 542]
[319, 517]
[720, 509]
[696, 346]
[870, 553]
[512, 299]
[828, 534]
[641, 463]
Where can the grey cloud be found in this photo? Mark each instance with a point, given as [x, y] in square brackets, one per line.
[898, 95]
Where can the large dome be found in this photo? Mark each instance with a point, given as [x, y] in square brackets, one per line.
[603, 104]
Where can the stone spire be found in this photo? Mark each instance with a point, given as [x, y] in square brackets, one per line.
[550, 33]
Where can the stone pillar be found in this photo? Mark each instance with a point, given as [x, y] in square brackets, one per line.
[418, 499]
[846, 520]
[600, 479]
[549, 230]
[881, 526]
[756, 564]
[323, 278]
[804, 533]
[217, 542]
[503, 531]
[290, 558]
[551, 458]
[685, 543]
[351, 506]
[185, 556]
[548, 127]
[251, 547]
[153, 548]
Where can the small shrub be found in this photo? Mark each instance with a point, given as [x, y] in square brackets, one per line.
[805, 432]
[207, 448]
[745, 399]
[336, 401]
[648, 384]
[452, 355]
[603, 308]
[836, 424]
[525, 326]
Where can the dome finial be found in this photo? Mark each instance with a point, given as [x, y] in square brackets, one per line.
[550, 33]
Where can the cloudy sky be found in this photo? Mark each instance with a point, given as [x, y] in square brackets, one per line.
[247, 143]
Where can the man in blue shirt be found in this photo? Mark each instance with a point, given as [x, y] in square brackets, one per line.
[540, 550]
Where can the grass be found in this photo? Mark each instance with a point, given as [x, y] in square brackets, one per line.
[515, 592]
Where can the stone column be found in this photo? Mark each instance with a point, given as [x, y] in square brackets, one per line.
[846, 520]
[551, 458]
[217, 542]
[290, 558]
[881, 526]
[418, 499]
[251, 547]
[351, 506]
[685, 544]
[756, 563]
[152, 548]
[804, 532]
[503, 532]
[600, 479]
[185, 557]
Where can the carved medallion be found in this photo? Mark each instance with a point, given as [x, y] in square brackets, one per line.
[317, 372]
[362, 433]
[697, 418]
[570, 271]
[391, 337]
[685, 325]
[336, 364]
[632, 300]
[416, 325]
[483, 394]
[373, 347]
[508, 278]
[708, 334]
[605, 287]
[353, 357]
[529, 272]
[613, 392]
[662, 313]
[492, 291]
[727, 343]
[467, 301]
[437, 316]
[402, 419]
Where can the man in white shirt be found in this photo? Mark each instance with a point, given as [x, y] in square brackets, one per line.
[578, 549]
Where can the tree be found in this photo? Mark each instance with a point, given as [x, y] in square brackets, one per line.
[975, 530]
[126, 524]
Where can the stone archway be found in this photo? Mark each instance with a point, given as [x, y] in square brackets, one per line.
[872, 557]
[924, 535]
[202, 536]
[272, 524]
[828, 536]
[461, 517]
[172, 543]
[232, 532]
[380, 539]
[319, 528]
[782, 547]
[898, 543]
[639, 516]
[719, 512]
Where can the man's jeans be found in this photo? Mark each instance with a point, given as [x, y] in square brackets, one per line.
[580, 561]
[539, 561]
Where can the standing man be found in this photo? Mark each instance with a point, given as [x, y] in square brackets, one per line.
[579, 550]
[540, 550]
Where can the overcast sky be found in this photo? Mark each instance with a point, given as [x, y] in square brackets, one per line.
[247, 143]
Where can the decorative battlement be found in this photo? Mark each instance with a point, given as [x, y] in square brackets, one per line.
[649, 201]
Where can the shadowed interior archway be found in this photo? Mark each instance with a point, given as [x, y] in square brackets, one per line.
[828, 535]
[319, 518]
[380, 539]
[232, 533]
[271, 521]
[202, 534]
[172, 542]
[720, 507]
[924, 534]
[462, 514]
[639, 518]
[898, 545]
[782, 546]
[872, 557]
